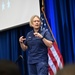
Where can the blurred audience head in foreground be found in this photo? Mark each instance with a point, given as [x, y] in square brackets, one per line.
[67, 70]
[9, 68]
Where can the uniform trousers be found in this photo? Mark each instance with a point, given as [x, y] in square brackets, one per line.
[40, 68]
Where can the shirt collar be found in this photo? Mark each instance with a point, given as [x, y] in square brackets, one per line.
[38, 31]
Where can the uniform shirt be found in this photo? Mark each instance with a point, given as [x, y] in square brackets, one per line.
[37, 51]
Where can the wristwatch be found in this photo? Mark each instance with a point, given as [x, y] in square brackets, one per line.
[42, 38]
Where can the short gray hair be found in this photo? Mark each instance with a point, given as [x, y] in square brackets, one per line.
[31, 20]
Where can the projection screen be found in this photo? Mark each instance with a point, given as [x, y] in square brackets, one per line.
[16, 12]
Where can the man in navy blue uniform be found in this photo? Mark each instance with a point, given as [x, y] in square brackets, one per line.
[37, 41]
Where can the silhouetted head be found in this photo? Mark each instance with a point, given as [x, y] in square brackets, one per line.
[8, 68]
[67, 70]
